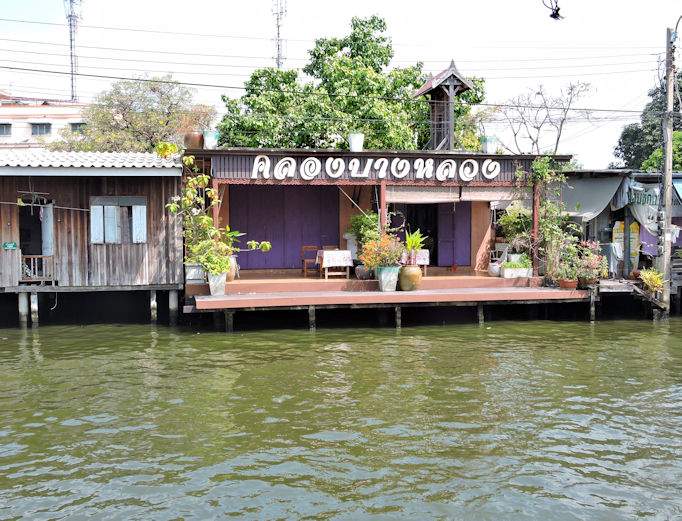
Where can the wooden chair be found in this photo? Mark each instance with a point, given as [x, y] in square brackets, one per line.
[330, 247]
[307, 260]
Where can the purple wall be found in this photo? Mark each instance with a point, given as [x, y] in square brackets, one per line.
[287, 216]
[454, 234]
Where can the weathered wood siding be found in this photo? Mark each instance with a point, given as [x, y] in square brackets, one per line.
[9, 232]
[79, 263]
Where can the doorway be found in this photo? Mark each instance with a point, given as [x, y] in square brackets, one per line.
[30, 230]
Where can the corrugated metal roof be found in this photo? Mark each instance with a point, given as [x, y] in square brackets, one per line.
[45, 158]
[435, 81]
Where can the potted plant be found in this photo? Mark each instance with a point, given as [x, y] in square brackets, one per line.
[411, 274]
[356, 140]
[516, 225]
[383, 255]
[652, 279]
[591, 265]
[514, 269]
[567, 269]
[364, 227]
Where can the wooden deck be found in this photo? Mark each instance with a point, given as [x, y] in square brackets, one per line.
[442, 296]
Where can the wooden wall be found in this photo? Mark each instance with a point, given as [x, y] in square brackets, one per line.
[79, 263]
[9, 232]
[481, 235]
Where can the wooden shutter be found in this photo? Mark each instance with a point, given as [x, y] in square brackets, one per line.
[97, 224]
[139, 224]
[112, 225]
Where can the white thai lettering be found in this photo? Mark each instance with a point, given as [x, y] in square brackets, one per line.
[334, 167]
[381, 165]
[354, 166]
[423, 169]
[400, 168]
[261, 165]
[491, 169]
[468, 170]
[310, 168]
[284, 168]
[446, 170]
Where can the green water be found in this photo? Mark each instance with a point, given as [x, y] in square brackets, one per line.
[539, 420]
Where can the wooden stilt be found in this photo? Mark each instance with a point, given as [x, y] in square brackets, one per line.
[23, 309]
[34, 310]
[173, 306]
[229, 321]
[398, 317]
[153, 309]
[481, 314]
[593, 310]
[311, 318]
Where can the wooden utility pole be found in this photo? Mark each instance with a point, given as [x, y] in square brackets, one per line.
[668, 165]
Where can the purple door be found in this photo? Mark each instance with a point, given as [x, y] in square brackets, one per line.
[287, 216]
[454, 234]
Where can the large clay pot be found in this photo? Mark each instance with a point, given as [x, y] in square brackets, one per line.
[233, 269]
[194, 139]
[387, 277]
[216, 283]
[362, 272]
[410, 277]
[584, 283]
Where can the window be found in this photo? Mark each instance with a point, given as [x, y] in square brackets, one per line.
[5, 129]
[118, 220]
[41, 129]
[77, 128]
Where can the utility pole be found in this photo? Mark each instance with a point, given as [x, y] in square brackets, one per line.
[668, 164]
[72, 17]
[279, 10]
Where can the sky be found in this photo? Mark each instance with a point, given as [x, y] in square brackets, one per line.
[618, 47]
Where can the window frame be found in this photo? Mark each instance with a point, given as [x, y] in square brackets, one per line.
[7, 126]
[36, 126]
[106, 223]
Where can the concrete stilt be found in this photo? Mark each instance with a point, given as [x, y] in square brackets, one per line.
[311, 318]
[593, 308]
[481, 314]
[229, 321]
[398, 317]
[23, 309]
[153, 308]
[34, 310]
[173, 306]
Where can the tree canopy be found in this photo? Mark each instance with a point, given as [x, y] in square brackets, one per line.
[347, 86]
[133, 116]
[655, 160]
[639, 140]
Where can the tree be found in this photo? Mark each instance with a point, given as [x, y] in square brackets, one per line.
[133, 116]
[537, 116]
[655, 160]
[349, 88]
[638, 140]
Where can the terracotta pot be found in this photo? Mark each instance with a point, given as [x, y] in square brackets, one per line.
[410, 277]
[583, 282]
[568, 284]
[194, 139]
[387, 277]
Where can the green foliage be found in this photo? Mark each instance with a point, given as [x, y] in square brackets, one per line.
[414, 241]
[364, 227]
[653, 279]
[350, 89]
[655, 160]
[133, 116]
[517, 227]
[638, 140]
[524, 262]
[384, 251]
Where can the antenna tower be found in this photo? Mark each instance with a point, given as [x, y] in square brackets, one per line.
[73, 16]
[279, 11]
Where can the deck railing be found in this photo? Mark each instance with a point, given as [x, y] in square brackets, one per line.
[38, 268]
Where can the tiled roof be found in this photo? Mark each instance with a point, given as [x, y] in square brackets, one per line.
[41, 157]
[435, 81]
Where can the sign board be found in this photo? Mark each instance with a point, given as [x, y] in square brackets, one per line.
[9, 245]
[619, 236]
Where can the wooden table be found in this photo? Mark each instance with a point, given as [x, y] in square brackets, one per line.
[423, 259]
[334, 259]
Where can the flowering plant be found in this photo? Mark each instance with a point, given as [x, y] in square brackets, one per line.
[568, 259]
[384, 251]
[590, 264]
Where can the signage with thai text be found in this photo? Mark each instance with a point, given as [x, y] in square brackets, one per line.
[9, 245]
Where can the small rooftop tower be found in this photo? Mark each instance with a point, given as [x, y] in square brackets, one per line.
[442, 90]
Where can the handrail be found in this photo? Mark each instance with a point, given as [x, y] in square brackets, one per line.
[37, 268]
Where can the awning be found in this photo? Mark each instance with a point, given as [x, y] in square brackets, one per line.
[422, 194]
[587, 198]
[677, 183]
[484, 193]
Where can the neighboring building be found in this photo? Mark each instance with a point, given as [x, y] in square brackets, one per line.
[32, 122]
[88, 221]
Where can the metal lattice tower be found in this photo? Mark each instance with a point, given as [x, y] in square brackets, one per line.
[279, 11]
[73, 16]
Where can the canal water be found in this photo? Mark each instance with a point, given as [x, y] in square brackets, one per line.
[512, 420]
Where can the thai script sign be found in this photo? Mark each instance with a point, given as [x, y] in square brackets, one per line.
[396, 169]
[9, 245]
